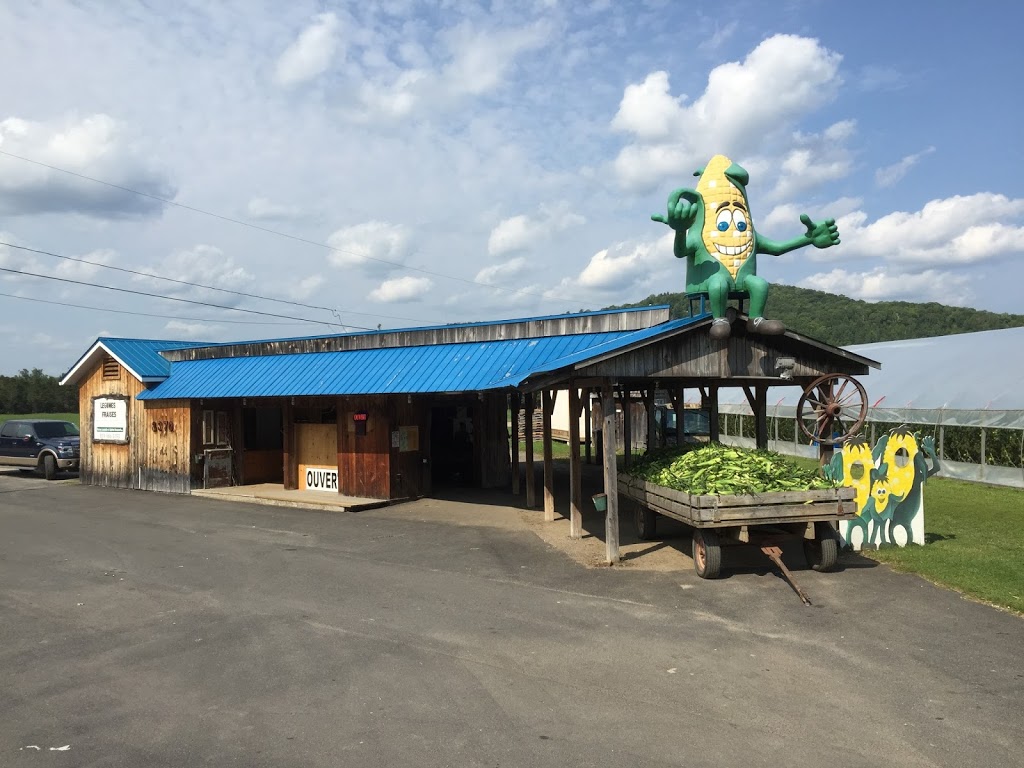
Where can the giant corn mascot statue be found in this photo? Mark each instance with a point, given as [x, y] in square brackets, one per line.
[715, 234]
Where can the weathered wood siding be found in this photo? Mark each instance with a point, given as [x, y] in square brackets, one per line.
[163, 460]
[695, 357]
[491, 425]
[527, 329]
[157, 456]
[410, 476]
[364, 461]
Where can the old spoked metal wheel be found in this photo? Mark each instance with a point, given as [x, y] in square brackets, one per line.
[832, 408]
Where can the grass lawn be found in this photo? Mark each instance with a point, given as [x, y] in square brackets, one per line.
[72, 417]
[975, 536]
[975, 541]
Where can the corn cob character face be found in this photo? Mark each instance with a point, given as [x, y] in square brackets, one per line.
[900, 452]
[858, 466]
[728, 231]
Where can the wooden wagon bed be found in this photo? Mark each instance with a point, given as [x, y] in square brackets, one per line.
[722, 511]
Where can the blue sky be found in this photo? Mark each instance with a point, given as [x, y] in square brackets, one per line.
[455, 161]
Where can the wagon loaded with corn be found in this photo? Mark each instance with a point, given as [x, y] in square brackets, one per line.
[739, 512]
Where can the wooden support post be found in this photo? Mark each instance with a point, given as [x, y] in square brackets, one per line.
[531, 486]
[575, 470]
[611, 481]
[547, 406]
[652, 429]
[288, 459]
[514, 401]
[627, 427]
[761, 417]
[598, 418]
[588, 432]
[712, 405]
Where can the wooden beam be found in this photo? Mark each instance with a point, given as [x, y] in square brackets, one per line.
[588, 434]
[627, 427]
[761, 417]
[598, 418]
[652, 430]
[531, 487]
[288, 458]
[548, 405]
[575, 470]
[514, 403]
[611, 480]
[712, 406]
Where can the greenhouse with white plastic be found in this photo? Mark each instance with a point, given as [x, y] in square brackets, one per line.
[964, 390]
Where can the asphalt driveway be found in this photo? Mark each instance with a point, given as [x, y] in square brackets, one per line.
[139, 629]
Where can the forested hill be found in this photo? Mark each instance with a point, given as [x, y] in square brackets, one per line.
[842, 321]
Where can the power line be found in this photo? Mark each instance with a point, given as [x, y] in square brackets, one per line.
[276, 232]
[200, 285]
[141, 314]
[176, 298]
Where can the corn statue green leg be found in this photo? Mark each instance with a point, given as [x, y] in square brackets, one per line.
[714, 233]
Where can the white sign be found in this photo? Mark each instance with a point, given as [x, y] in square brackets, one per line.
[110, 420]
[319, 479]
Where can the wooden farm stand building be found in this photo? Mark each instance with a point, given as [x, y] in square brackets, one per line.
[389, 414]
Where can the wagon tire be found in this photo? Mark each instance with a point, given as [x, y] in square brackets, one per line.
[646, 524]
[48, 464]
[707, 554]
[823, 553]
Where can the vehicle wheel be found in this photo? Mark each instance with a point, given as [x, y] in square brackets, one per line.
[49, 466]
[823, 553]
[646, 523]
[707, 554]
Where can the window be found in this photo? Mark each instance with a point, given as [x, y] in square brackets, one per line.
[111, 369]
[53, 429]
[11, 429]
[207, 427]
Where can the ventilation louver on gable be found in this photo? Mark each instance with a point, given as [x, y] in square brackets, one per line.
[111, 369]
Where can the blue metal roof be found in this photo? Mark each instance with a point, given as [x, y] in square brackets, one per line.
[143, 355]
[463, 367]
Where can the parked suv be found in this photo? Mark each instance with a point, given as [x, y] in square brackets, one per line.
[46, 445]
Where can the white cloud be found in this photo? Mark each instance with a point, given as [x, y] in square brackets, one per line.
[522, 232]
[306, 287]
[94, 146]
[500, 274]
[885, 284]
[202, 264]
[891, 174]
[401, 289]
[262, 209]
[373, 247]
[783, 221]
[815, 160]
[310, 54]
[955, 230]
[469, 62]
[791, 77]
[624, 265]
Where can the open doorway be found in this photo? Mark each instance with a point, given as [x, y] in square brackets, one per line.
[262, 445]
[452, 450]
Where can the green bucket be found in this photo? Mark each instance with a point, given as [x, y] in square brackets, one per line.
[600, 502]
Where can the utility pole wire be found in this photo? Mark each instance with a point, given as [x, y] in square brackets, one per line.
[197, 285]
[296, 238]
[176, 298]
[143, 314]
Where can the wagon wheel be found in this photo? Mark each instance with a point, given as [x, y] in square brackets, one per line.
[832, 408]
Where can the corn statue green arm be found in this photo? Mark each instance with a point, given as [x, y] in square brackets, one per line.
[714, 232]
